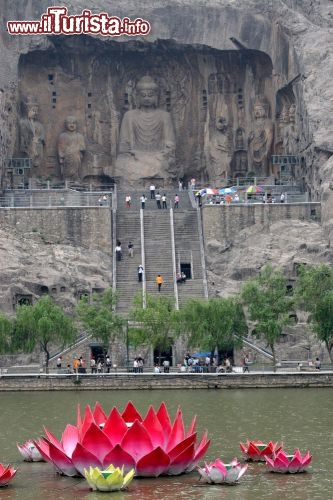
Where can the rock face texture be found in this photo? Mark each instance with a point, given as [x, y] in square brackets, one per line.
[240, 80]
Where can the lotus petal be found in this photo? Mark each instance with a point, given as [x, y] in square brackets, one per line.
[163, 417]
[199, 453]
[52, 439]
[88, 419]
[182, 461]
[153, 464]
[97, 442]
[177, 432]
[99, 415]
[128, 478]
[154, 428]
[216, 475]
[82, 458]
[43, 448]
[130, 414]
[24, 450]
[119, 457]
[180, 447]
[192, 427]
[62, 462]
[137, 441]
[69, 439]
[115, 427]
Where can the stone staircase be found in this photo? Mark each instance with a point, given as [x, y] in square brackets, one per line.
[128, 229]
[158, 248]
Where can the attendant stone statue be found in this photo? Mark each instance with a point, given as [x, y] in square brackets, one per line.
[71, 148]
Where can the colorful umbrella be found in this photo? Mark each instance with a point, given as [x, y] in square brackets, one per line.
[228, 190]
[254, 189]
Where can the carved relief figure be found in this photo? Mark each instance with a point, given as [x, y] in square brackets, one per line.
[289, 139]
[147, 140]
[32, 134]
[260, 139]
[71, 147]
[219, 152]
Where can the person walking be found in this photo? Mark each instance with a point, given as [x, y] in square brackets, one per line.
[246, 364]
[176, 201]
[128, 201]
[159, 282]
[164, 201]
[143, 201]
[130, 247]
[59, 360]
[152, 191]
[158, 200]
[140, 273]
[118, 251]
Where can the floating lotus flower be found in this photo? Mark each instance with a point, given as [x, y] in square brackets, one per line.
[257, 451]
[218, 472]
[152, 445]
[111, 479]
[29, 451]
[281, 462]
[6, 474]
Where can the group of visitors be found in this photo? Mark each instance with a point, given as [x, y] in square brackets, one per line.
[138, 363]
[100, 365]
[119, 252]
[161, 199]
[181, 277]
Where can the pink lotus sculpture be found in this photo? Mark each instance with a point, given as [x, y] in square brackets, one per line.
[283, 463]
[29, 451]
[218, 472]
[6, 474]
[152, 445]
[257, 451]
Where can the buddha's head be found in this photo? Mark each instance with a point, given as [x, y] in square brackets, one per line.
[260, 108]
[292, 113]
[71, 123]
[147, 92]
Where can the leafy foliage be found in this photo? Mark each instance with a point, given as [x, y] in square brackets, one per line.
[314, 293]
[213, 324]
[99, 318]
[268, 304]
[6, 332]
[42, 324]
[157, 322]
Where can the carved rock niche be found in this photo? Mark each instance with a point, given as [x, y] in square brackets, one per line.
[209, 94]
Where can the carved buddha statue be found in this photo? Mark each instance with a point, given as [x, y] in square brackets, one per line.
[260, 139]
[71, 146]
[146, 140]
[32, 135]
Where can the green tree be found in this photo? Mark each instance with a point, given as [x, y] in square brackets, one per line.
[156, 322]
[42, 324]
[314, 293]
[98, 317]
[268, 305]
[6, 332]
[212, 324]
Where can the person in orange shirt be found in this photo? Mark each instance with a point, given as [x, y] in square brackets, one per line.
[159, 281]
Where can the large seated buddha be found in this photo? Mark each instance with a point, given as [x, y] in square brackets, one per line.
[146, 147]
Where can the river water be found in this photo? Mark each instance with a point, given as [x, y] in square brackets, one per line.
[298, 417]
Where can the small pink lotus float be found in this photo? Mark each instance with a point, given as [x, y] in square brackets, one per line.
[29, 451]
[283, 463]
[152, 445]
[218, 472]
[257, 451]
[6, 474]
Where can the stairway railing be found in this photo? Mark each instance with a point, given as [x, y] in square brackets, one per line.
[173, 252]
